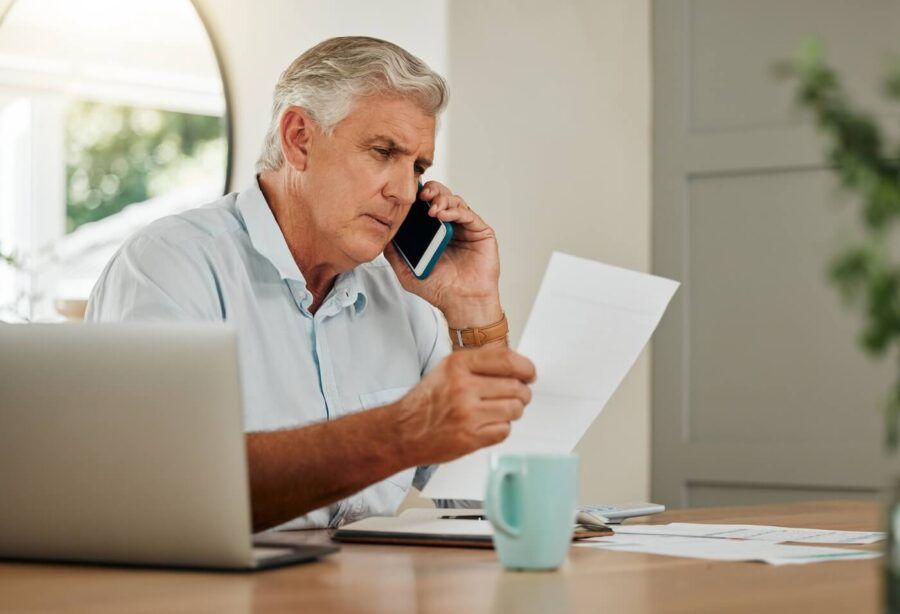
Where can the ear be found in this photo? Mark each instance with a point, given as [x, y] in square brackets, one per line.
[296, 133]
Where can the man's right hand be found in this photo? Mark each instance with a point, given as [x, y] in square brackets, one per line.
[467, 402]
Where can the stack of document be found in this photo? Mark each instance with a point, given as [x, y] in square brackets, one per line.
[735, 542]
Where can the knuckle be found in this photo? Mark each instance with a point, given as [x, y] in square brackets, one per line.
[458, 414]
[452, 415]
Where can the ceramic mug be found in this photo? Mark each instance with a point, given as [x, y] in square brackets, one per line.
[530, 501]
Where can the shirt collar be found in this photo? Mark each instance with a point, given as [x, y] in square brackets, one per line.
[267, 239]
[348, 290]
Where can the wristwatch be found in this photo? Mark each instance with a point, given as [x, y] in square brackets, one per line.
[476, 337]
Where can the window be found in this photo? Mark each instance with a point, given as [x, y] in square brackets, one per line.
[112, 114]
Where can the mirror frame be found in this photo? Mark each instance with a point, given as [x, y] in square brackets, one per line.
[223, 76]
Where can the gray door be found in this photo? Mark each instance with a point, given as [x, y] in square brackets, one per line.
[760, 392]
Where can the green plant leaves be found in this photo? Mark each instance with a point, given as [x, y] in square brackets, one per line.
[865, 274]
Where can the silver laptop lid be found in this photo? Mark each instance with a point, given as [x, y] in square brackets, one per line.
[122, 443]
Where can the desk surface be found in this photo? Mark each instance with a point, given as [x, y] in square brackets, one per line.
[414, 579]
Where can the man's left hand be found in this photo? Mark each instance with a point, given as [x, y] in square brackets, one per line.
[464, 281]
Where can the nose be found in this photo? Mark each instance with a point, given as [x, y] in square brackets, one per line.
[402, 188]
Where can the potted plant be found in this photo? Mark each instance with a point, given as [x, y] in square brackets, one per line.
[865, 272]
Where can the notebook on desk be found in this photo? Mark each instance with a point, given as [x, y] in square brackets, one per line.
[436, 527]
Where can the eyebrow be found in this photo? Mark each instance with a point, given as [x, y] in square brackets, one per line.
[392, 144]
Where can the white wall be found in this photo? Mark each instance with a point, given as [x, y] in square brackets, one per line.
[550, 139]
[547, 135]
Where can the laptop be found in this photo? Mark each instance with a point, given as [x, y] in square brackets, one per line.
[124, 444]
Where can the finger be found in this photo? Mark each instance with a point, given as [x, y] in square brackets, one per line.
[501, 388]
[500, 361]
[432, 188]
[463, 217]
[458, 201]
[472, 232]
[495, 412]
[439, 203]
[504, 410]
[491, 434]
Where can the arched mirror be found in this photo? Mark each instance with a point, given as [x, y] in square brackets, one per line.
[112, 113]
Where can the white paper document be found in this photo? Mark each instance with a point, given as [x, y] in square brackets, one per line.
[724, 549]
[753, 532]
[587, 327]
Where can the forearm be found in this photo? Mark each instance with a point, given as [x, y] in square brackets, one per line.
[465, 403]
[295, 471]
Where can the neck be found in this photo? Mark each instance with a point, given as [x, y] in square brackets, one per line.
[292, 213]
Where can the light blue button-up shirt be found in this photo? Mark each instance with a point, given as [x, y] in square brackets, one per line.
[367, 344]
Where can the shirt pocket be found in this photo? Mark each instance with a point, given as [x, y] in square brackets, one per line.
[368, 400]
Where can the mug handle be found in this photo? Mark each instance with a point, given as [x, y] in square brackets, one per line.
[494, 509]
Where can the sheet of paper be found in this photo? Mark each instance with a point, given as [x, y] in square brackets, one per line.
[754, 532]
[724, 549]
[587, 327]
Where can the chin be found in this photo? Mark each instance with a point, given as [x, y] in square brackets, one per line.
[365, 251]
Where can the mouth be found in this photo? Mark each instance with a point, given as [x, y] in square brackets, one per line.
[383, 221]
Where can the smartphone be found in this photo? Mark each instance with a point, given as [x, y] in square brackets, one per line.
[421, 238]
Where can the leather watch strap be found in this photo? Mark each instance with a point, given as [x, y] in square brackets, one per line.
[476, 337]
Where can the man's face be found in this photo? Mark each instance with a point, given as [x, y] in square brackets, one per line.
[362, 179]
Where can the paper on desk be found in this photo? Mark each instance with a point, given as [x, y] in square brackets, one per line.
[587, 327]
[754, 532]
[724, 549]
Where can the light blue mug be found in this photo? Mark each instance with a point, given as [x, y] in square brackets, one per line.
[530, 501]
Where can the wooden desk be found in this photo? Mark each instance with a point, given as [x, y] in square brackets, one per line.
[409, 579]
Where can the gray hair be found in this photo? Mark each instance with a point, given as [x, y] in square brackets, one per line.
[327, 79]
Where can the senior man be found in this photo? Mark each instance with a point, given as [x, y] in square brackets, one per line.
[351, 391]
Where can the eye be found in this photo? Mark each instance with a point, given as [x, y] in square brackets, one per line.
[419, 170]
[383, 152]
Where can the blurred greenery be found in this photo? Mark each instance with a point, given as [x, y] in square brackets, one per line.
[8, 258]
[118, 155]
[866, 273]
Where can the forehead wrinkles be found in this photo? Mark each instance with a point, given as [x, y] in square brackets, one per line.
[398, 118]
[417, 139]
